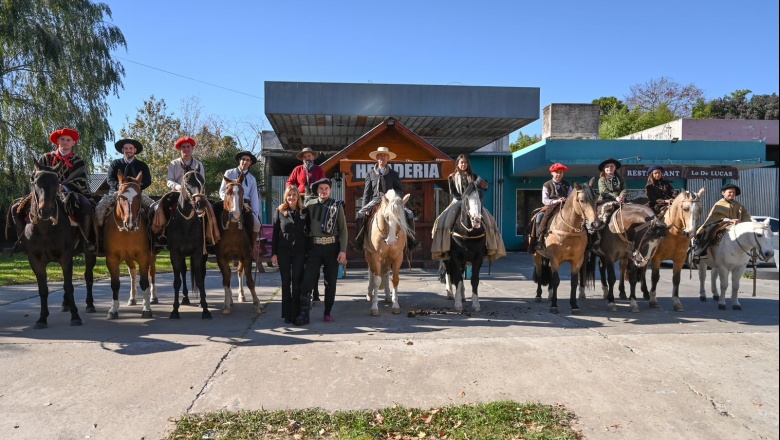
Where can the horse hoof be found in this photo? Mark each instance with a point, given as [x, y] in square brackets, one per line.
[374, 312]
[721, 306]
[174, 315]
[654, 304]
[259, 309]
[678, 308]
[576, 311]
[205, 315]
[146, 314]
[477, 309]
[39, 325]
[582, 297]
[76, 323]
[450, 296]
[154, 301]
[396, 311]
[185, 301]
[242, 299]
[735, 307]
[646, 296]
[612, 307]
[634, 309]
[226, 311]
[90, 309]
[112, 315]
[703, 298]
[131, 302]
[554, 310]
[538, 299]
[623, 296]
[716, 297]
[459, 309]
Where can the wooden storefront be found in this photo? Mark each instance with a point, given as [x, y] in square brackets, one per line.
[421, 166]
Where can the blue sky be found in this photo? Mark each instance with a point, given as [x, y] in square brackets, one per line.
[574, 51]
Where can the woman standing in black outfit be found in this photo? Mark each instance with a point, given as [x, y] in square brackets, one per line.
[288, 249]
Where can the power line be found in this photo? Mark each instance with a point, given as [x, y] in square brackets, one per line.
[191, 79]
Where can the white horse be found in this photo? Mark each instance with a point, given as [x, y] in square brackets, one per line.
[731, 256]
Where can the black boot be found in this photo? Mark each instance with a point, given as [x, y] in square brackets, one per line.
[303, 316]
[359, 240]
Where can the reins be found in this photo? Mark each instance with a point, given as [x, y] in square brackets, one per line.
[576, 231]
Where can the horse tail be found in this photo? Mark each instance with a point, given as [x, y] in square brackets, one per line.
[442, 272]
[588, 270]
[545, 276]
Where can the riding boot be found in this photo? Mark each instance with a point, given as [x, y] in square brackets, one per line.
[303, 316]
[361, 233]
[89, 233]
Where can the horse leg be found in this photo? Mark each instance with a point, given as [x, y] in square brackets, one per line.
[678, 307]
[396, 268]
[89, 279]
[250, 282]
[152, 276]
[227, 274]
[457, 281]
[39, 268]
[240, 275]
[538, 277]
[112, 262]
[605, 290]
[199, 278]
[736, 274]
[371, 290]
[714, 285]
[610, 269]
[475, 268]
[632, 278]
[643, 283]
[622, 281]
[177, 261]
[143, 264]
[555, 280]
[723, 274]
[67, 274]
[388, 290]
[133, 282]
[378, 277]
[575, 281]
[702, 280]
[185, 300]
[655, 275]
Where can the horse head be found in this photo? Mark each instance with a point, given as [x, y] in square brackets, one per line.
[685, 212]
[234, 197]
[756, 237]
[471, 211]
[391, 216]
[128, 201]
[584, 205]
[45, 189]
[193, 191]
[649, 235]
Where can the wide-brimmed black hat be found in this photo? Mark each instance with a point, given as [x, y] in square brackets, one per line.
[610, 160]
[246, 153]
[316, 184]
[121, 143]
[731, 186]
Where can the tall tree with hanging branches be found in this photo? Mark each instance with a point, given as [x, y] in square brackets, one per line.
[56, 70]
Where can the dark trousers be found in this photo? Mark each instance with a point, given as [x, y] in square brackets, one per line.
[291, 270]
[321, 256]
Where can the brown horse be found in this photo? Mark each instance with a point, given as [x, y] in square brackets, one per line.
[235, 243]
[385, 249]
[565, 243]
[682, 218]
[127, 239]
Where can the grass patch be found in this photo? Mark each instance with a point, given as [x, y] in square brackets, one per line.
[497, 420]
[15, 269]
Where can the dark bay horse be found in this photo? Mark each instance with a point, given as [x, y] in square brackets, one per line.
[186, 233]
[467, 246]
[51, 238]
[235, 243]
[565, 243]
[127, 238]
[682, 219]
[631, 236]
[384, 250]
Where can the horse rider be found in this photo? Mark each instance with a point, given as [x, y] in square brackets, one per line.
[659, 192]
[72, 172]
[554, 193]
[130, 165]
[380, 179]
[251, 200]
[327, 248]
[457, 182]
[304, 175]
[725, 210]
[612, 192]
[176, 170]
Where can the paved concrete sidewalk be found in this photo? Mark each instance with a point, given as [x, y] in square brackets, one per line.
[697, 374]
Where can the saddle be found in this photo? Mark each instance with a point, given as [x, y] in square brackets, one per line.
[549, 212]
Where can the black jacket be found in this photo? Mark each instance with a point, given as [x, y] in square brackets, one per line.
[376, 184]
[129, 170]
[290, 232]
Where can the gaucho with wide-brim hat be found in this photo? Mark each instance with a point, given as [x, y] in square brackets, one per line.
[300, 154]
[382, 150]
[731, 186]
[241, 154]
[317, 184]
[121, 143]
[610, 161]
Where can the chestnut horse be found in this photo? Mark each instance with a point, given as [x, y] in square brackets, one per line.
[52, 238]
[235, 243]
[682, 219]
[127, 239]
[385, 249]
[565, 242]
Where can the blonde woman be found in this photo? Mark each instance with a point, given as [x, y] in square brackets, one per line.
[288, 249]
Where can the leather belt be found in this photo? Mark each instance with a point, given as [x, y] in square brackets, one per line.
[324, 240]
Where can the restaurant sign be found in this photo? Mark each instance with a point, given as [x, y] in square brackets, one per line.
[712, 173]
[633, 172]
[355, 172]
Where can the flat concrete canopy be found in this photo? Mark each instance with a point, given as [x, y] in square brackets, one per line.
[455, 119]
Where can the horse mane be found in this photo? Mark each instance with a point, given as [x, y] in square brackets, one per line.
[398, 217]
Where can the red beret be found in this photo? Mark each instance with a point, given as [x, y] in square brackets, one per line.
[558, 167]
[185, 140]
[64, 132]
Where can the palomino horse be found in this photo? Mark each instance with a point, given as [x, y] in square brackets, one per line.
[631, 236]
[235, 243]
[467, 246]
[731, 255]
[682, 219]
[127, 239]
[51, 238]
[385, 249]
[186, 237]
[565, 243]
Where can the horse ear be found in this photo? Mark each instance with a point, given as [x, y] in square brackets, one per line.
[120, 176]
[592, 182]
[240, 179]
[766, 222]
[140, 176]
[226, 179]
[701, 192]
[577, 186]
[406, 198]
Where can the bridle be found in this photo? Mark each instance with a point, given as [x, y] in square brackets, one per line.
[35, 217]
[233, 203]
[635, 250]
[192, 197]
[752, 252]
[694, 203]
[464, 214]
[121, 201]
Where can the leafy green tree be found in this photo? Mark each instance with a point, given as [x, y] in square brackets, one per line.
[651, 95]
[622, 122]
[56, 70]
[738, 106]
[524, 140]
[607, 104]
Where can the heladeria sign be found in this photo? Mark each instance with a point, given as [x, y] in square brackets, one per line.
[408, 171]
